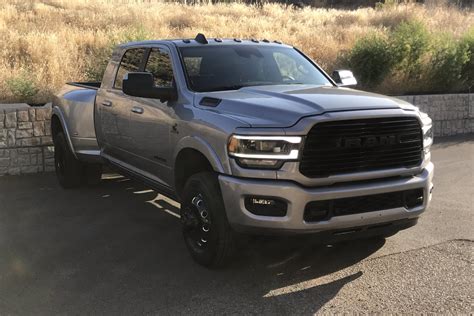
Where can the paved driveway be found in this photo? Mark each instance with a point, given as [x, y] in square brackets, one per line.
[117, 249]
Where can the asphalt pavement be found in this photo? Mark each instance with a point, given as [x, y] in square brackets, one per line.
[117, 249]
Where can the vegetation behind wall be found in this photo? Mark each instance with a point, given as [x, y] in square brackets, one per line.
[393, 48]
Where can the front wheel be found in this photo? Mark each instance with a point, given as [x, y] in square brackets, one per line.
[207, 233]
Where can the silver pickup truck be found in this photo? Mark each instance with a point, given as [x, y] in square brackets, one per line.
[250, 137]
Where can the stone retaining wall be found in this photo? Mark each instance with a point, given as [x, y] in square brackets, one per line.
[25, 139]
[452, 114]
[26, 144]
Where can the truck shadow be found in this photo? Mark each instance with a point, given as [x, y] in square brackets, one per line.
[279, 269]
[121, 251]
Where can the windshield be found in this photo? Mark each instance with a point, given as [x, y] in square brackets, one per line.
[231, 67]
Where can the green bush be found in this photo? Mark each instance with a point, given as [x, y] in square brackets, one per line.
[371, 60]
[467, 72]
[415, 60]
[22, 88]
[409, 42]
[447, 63]
[374, 57]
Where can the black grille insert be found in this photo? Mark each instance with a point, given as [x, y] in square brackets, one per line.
[323, 210]
[339, 147]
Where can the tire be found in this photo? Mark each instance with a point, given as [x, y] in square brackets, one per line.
[92, 174]
[68, 169]
[206, 230]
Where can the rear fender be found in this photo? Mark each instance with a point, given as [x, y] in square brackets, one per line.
[59, 114]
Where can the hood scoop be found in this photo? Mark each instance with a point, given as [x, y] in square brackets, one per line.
[208, 101]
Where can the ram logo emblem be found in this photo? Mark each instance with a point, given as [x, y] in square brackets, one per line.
[367, 141]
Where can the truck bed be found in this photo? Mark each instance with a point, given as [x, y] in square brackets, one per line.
[88, 84]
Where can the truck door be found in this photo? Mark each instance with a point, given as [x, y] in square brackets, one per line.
[151, 120]
[114, 108]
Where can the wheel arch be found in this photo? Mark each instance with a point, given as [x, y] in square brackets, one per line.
[58, 124]
[193, 155]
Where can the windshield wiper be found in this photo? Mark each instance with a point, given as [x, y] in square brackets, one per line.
[252, 84]
[243, 85]
[223, 88]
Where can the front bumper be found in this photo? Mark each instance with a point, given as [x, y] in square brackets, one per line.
[234, 191]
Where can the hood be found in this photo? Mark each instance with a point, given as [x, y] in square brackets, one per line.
[285, 105]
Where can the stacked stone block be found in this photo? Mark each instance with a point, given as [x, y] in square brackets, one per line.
[452, 114]
[25, 139]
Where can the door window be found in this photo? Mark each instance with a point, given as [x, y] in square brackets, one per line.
[131, 61]
[159, 64]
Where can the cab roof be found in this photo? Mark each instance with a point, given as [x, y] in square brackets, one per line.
[201, 40]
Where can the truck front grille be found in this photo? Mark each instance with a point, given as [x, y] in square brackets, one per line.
[339, 147]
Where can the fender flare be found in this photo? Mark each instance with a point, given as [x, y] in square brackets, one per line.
[199, 144]
[57, 111]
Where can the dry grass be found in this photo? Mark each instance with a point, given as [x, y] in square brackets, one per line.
[49, 42]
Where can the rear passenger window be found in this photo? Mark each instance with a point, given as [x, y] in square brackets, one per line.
[159, 64]
[131, 61]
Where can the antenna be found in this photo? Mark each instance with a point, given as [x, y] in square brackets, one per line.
[201, 39]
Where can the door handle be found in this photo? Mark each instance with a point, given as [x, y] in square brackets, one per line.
[137, 109]
[107, 103]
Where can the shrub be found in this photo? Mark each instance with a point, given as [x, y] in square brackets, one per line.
[22, 88]
[401, 55]
[467, 72]
[447, 64]
[371, 60]
[409, 42]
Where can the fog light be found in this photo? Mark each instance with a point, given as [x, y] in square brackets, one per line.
[413, 198]
[266, 206]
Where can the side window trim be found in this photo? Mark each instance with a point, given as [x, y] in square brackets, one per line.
[140, 68]
[167, 51]
[145, 57]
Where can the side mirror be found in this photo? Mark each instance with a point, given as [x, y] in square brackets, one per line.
[344, 78]
[141, 84]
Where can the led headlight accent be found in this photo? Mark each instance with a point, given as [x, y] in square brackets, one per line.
[427, 136]
[427, 132]
[264, 147]
[263, 151]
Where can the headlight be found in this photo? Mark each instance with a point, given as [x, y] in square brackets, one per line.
[427, 138]
[427, 132]
[263, 151]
